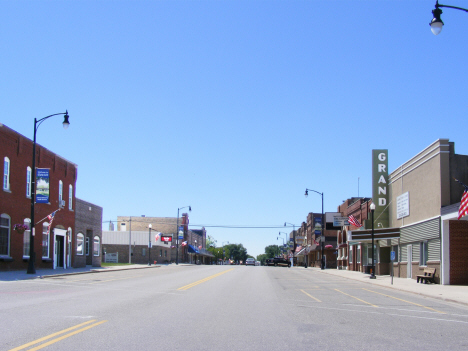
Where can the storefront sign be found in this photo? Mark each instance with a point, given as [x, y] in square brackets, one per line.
[166, 239]
[403, 205]
[340, 221]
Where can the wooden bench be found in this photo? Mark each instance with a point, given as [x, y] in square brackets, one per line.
[427, 277]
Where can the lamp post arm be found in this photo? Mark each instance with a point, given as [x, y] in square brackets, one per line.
[38, 122]
[452, 7]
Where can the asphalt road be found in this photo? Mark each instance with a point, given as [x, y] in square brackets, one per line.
[222, 308]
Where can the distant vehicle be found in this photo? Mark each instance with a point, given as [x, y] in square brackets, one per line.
[250, 262]
[280, 261]
[269, 262]
[257, 263]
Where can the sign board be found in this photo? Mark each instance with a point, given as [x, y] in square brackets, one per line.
[112, 257]
[380, 193]
[402, 206]
[340, 221]
[392, 256]
[166, 239]
[42, 185]
[181, 232]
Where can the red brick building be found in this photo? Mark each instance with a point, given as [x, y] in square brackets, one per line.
[53, 248]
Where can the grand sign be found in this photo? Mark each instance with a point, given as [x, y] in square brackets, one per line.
[380, 191]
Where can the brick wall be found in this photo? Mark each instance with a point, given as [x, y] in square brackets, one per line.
[458, 252]
[140, 253]
[89, 223]
[17, 205]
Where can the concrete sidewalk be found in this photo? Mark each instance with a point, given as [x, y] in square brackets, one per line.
[47, 273]
[451, 293]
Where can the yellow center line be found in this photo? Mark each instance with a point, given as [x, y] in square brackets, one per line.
[50, 336]
[66, 336]
[354, 297]
[311, 296]
[186, 287]
[413, 303]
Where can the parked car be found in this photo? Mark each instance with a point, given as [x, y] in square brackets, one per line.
[269, 262]
[250, 262]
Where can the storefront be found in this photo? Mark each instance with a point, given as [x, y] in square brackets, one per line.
[360, 249]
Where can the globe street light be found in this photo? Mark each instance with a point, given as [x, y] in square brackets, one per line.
[149, 244]
[177, 231]
[32, 255]
[436, 23]
[322, 265]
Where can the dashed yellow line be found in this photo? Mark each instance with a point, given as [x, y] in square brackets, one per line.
[59, 338]
[311, 296]
[186, 287]
[396, 298]
[354, 297]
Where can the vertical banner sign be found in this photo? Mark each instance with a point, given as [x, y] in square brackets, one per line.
[42, 185]
[317, 222]
[181, 232]
[380, 191]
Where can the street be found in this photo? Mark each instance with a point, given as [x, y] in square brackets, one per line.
[222, 308]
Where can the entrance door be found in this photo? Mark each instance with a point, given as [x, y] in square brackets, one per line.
[59, 251]
[409, 267]
[60, 254]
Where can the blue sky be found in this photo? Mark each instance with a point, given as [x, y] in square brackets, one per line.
[232, 107]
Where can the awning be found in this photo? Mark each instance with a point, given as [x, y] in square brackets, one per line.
[342, 245]
[193, 249]
[357, 236]
[202, 252]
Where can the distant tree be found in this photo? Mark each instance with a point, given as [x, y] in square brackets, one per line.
[272, 251]
[217, 252]
[237, 252]
[210, 241]
[262, 258]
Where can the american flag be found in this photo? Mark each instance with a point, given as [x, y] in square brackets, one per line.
[354, 221]
[200, 247]
[463, 209]
[50, 219]
[184, 243]
[156, 238]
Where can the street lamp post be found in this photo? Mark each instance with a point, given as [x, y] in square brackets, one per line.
[149, 244]
[436, 23]
[286, 236]
[322, 264]
[32, 255]
[294, 241]
[372, 208]
[177, 231]
[223, 248]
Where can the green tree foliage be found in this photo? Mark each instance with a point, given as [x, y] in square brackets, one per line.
[236, 252]
[272, 251]
[262, 258]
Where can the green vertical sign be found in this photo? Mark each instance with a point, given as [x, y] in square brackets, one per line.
[380, 188]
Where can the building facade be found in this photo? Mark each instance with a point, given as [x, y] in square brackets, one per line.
[87, 242]
[421, 228]
[52, 238]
